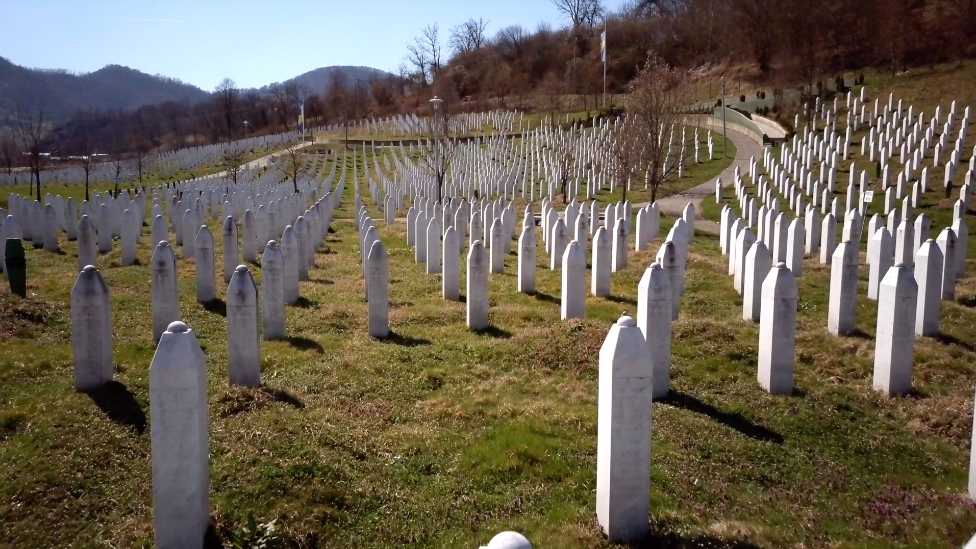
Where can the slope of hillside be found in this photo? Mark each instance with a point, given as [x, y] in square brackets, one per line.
[60, 94]
[319, 80]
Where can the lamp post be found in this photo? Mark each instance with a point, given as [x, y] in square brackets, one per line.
[725, 140]
[436, 103]
[246, 123]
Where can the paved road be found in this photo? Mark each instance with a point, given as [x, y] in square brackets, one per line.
[673, 205]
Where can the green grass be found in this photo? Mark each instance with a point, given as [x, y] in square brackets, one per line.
[440, 437]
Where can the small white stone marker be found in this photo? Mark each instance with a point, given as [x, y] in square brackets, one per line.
[508, 540]
[623, 468]
[249, 241]
[91, 330]
[243, 342]
[743, 244]
[573, 282]
[526, 257]
[758, 263]
[165, 297]
[433, 248]
[50, 228]
[828, 239]
[557, 244]
[203, 247]
[104, 229]
[273, 291]
[841, 313]
[179, 440]
[654, 297]
[87, 252]
[497, 246]
[600, 281]
[228, 233]
[794, 247]
[451, 274]
[620, 245]
[777, 331]
[668, 259]
[895, 337]
[477, 287]
[948, 245]
[289, 249]
[928, 275]
[377, 269]
[880, 252]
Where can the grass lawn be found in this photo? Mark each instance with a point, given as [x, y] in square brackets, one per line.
[439, 437]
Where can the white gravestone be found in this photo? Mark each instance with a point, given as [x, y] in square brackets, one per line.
[451, 273]
[165, 297]
[273, 291]
[243, 342]
[623, 470]
[758, 263]
[895, 337]
[228, 234]
[87, 253]
[928, 276]
[842, 309]
[289, 249]
[377, 269]
[477, 287]
[654, 296]
[777, 331]
[600, 283]
[179, 440]
[203, 246]
[91, 330]
[573, 282]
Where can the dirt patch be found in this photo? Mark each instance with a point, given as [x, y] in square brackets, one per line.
[24, 318]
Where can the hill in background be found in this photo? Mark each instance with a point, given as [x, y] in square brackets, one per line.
[60, 94]
[319, 80]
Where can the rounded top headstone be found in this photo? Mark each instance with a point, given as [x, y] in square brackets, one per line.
[780, 265]
[626, 321]
[509, 540]
[89, 269]
[177, 327]
[241, 268]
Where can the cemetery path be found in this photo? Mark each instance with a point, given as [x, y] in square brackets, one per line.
[673, 205]
[261, 162]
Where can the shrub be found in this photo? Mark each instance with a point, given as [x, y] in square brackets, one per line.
[718, 103]
[742, 99]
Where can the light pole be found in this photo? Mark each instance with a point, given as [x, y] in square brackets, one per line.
[246, 123]
[436, 103]
[276, 120]
[725, 141]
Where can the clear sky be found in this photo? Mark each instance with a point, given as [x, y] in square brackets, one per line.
[253, 42]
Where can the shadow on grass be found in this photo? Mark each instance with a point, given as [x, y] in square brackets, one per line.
[326, 281]
[305, 344]
[658, 538]
[216, 305]
[305, 303]
[860, 334]
[495, 331]
[968, 301]
[117, 402]
[404, 340]
[733, 420]
[545, 297]
[282, 396]
[953, 340]
[621, 299]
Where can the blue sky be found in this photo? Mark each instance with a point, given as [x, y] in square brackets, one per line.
[254, 42]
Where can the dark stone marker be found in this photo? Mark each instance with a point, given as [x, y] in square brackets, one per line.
[16, 265]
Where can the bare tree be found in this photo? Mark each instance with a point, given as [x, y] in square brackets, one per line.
[234, 162]
[9, 151]
[86, 161]
[417, 57]
[119, 163]
[430, 42]
[654, 105]
[226, 93]
[510, 41]
[282, 105]
[292, 164]
[438, 147]
[580, 12]
[583, 14]
[469, 36]
[34, 131]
